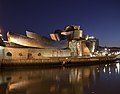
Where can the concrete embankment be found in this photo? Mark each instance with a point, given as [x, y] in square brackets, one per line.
[59, 61]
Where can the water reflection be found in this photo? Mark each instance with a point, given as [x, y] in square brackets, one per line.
[98, 79]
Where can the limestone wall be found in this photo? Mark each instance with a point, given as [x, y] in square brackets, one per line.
[32, 53]
[1, 52]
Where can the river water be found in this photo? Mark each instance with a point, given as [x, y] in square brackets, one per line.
[95, 79]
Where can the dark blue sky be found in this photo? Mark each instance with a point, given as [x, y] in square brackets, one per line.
[99, 18]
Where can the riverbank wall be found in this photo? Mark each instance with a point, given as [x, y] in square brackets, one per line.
[59, 61]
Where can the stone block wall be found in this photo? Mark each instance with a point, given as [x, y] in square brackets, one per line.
[32, 53]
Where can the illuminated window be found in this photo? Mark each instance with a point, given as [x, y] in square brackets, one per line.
[9, 54]
[30, 56]
[39, 54]
[20, 54]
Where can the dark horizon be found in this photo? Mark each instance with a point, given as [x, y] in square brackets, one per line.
[98, 18]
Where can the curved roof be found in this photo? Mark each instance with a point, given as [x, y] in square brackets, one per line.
[34, 40]
[38, 37]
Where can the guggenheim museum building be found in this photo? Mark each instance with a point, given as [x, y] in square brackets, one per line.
[69, 42]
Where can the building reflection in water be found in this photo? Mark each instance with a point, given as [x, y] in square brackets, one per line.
[75, 80]
[117, 69]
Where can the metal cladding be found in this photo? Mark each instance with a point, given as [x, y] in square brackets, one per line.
[58, 36]
[47, 41]
[23, 40]
[38, 37]
[72, 32]
[69, 28]
[71, 37]
[86, 51]
[66, 33]
[54, 37]
[33, 40]
[58, 32]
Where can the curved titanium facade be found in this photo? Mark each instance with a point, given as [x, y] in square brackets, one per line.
[33, 40]
[47, 41]
[39, 37]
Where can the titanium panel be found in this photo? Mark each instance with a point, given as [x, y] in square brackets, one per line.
[34, 40]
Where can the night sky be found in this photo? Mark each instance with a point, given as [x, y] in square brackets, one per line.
[99, 18]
